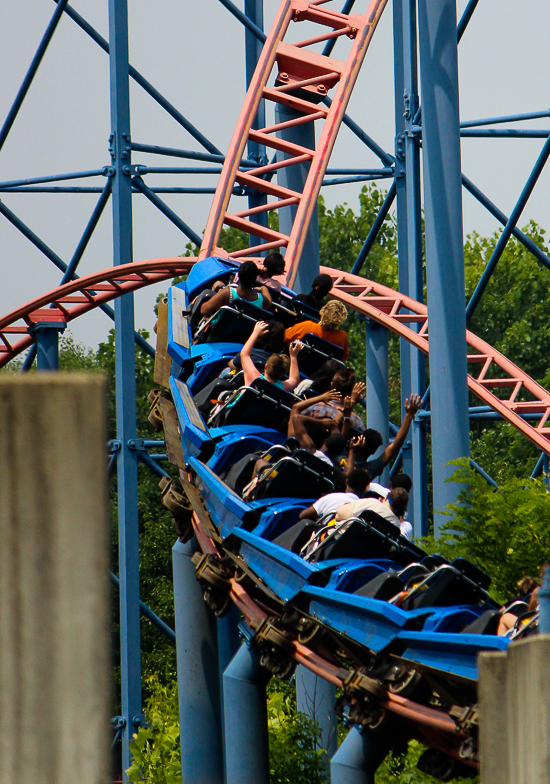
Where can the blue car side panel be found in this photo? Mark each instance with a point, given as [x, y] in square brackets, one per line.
[453, 653]
[283, 571]
[227, 508]
[371, 622]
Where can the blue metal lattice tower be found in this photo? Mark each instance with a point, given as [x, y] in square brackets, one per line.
[427, 140]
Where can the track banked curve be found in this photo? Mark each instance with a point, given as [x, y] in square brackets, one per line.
[396, 312]
[381, 303]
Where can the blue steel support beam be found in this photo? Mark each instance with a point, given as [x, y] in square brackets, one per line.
[87, 233]
[54, 178]
[504, 133]
[359, 178]
[127, 475]
[49, 189]
[378, 389]
[149, 614]
[375, 230]
[465, 19]
[331, 43]
[33, 68]
[254, 12]
[505, 119]
[538, 469]
[47, 344]
[191, 155]
[508, 229]
[142, 81]
[544, 598]
[501, 217]
[165, 209]
[245, 719]
[444, 245]
[294, 177]
[409, 234]
[198, 680]
[358, 758]
[229, 642]
[385, 157]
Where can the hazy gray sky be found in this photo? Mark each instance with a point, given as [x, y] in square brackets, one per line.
[193, 52]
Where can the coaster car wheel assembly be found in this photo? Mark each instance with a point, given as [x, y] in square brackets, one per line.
[176, 501]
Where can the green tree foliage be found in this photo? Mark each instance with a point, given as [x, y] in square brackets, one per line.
[155, 749]
[294, 756]
[294, 753]
[505, 531]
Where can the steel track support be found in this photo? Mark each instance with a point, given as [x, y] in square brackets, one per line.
[378, 389]
[444, 245]
[47, 343]
[245, 719]
[409, 234]
[198, 678]
[316, 698]
[358, 758]
[254, 10]
[294, 177]
[229, 642]
[127, 475]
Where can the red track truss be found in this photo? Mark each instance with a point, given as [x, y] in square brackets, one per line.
[304, 78]
[80, 296]
[386, 306]
[495, 372]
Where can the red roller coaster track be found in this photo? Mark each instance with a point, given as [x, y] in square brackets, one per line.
[378, 302]
[304, 78]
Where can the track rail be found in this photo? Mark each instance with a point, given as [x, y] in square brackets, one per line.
[80, 296]
[495, 372]
[385, 305]
[304, 77]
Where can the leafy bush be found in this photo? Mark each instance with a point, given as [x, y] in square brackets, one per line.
[505, 531]
[294, 753]
[294, 756]
[156, 747]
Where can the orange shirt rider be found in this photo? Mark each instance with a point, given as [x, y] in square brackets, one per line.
[331, 317]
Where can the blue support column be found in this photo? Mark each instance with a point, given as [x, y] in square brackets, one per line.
[444, 245]
[198, 681]
[245, 719]
[294, 177]
[378, 392]
[47, 343]
[316, 698]
[127, 477]
[229, 642]
[254, 10]
[358, 758]
[409, 234]
[546, 470]
[544, 602]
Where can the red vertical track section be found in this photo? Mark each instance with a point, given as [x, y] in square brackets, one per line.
[303, 79]
[493, 378]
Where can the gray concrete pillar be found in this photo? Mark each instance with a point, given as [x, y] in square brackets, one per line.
[55, 668]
